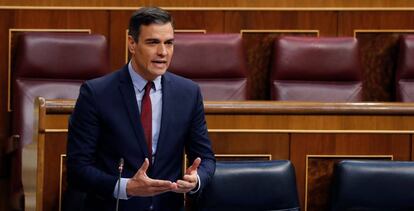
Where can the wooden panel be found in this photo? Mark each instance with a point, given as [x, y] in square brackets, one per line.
[296, 144]
[213, 3]
[5, 22]
[344, 144]
[311, 122]
[97, 21]
[211, 21]
[379, 56]
[117, 46]
[243, 157]
[54, 146]
[63, 175]
[277, 145]
[56, 121]
[412, 147]
[325, 22]
[349, 21]
[5, 162]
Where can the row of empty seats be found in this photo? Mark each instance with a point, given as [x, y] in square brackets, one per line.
[271, 185]
[53, 65]
[302, 68]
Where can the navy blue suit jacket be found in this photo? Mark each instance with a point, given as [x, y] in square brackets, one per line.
[105, 126]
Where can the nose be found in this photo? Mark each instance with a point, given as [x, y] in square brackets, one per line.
[162, 50]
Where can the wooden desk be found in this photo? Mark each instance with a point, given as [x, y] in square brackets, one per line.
[312, 135]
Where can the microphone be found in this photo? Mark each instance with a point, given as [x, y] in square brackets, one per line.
[120, 168]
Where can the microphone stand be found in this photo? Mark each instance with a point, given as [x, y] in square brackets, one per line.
[120, 168]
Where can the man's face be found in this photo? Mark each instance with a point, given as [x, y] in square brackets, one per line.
[151, 55]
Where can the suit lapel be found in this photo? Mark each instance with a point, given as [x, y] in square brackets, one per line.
[167, 101]
[127, 91]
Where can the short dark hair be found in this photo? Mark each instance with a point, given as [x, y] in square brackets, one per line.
[146, 16]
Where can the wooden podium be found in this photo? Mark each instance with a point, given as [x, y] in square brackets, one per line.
[312, 135]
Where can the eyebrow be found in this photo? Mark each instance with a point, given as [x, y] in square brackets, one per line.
[157, 40]
[152, 40]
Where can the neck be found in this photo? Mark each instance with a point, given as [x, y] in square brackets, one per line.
[142, 74]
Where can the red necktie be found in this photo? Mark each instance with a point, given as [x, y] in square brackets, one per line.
[146, 117]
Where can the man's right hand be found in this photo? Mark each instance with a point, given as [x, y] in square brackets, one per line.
[142, 185]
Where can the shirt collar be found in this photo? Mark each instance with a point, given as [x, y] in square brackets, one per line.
[139, 82]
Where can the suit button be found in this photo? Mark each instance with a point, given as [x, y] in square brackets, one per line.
[150, 208]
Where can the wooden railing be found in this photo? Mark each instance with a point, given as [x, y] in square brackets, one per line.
[312, 135]
[242, 4]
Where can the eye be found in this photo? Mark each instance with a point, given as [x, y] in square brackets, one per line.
[152, 41]
[169, 42]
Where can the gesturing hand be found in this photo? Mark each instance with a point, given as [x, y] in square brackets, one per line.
[142, 185]
[190, 179]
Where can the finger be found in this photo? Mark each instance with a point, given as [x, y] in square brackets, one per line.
[190, 178]
[183, 187]
[158, 190]
[181, 184]
[174, 185]
[194, 166]
[144, 166]
[160, 183]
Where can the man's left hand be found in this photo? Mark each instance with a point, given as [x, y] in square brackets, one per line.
[190, 179]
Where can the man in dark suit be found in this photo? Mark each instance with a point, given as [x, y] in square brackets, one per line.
[146, 116]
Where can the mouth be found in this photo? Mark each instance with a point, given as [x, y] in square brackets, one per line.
[159, 64]
[159, 61]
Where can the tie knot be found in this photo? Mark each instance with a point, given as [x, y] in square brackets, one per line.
[148, 87]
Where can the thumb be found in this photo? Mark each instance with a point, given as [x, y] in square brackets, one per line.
[194, 166]
[144, 166]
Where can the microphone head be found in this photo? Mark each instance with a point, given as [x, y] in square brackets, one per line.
[121, 164]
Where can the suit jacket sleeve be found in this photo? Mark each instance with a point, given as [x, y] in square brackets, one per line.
[199, 144]
[83, 136]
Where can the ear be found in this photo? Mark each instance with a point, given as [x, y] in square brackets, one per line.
[131, 44]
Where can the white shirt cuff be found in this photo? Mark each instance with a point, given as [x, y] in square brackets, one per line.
[122, 189]
[198, 187]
